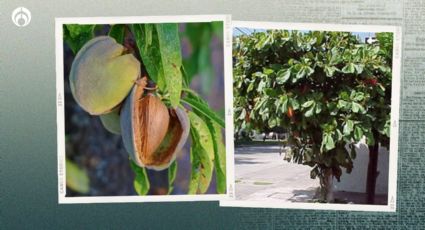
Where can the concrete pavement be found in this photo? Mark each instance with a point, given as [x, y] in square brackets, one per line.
[263, 175]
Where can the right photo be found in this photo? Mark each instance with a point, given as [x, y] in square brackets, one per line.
[313, 112]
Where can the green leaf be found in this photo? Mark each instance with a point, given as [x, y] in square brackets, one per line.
[186, 77]
[311, 105]
[309, 112]
[263, 41]
[359, 96]
[159, 47]
[219, 148]
[141, 181]
[284, 107]
[330, 144]
[147, 41]
[349, 68]
[357, 108]
[272, 123]
[75, 36]
[283, 76]
[330, 70]
[327, 142]
[358, 133]
[242, 115]
[172, 172]
[307, 104]
[250, 87]
[318, 108]
[338, 135]
[301, 73]
[202, 155]
[370, 140]
[117, 32]
[332, 107]
[294, 103]
[343, 105]
[169, 43]
[261, 85]
[308, 70]
[268, 71]
[386, 128]
[219, 158]
[359, 68]
[76, 178]
[348, 127]
[344, 95]
[205, 110]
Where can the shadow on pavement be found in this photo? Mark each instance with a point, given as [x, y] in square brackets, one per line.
[303, 195]
[240, 161]
[255, 149]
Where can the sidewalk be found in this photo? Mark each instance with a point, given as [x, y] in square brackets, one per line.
[263, 175]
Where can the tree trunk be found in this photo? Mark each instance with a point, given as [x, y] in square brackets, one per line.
[327, 185]
[372, 172]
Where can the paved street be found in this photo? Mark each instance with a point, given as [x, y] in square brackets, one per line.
[262, 174]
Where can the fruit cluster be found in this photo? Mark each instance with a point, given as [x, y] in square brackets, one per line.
[106, 80]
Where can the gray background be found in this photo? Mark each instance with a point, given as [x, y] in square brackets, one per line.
[28, 159]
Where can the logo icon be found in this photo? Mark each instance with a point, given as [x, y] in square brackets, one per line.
[21, 16]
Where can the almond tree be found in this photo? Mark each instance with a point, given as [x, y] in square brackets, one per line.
[328, 89]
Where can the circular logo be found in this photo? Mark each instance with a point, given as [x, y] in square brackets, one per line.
[21, 16]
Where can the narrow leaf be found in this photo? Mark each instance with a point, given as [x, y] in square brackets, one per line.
[147, 41]
[141, 181]
[169, 46]
[219, 157]
[205, 110]
[202, 155]
[172, 172]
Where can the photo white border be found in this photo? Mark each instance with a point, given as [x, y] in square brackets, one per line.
[395, 108]
[60, 108]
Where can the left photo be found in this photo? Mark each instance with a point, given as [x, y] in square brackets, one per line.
[141, 109]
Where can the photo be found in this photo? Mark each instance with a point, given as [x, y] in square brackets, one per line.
[143, 108]
[313, 108]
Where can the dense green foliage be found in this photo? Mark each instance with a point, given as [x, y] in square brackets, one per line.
[327, 89]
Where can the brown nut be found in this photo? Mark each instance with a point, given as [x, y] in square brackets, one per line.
[152, 134]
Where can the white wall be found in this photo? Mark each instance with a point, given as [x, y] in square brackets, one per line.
[356, 180]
